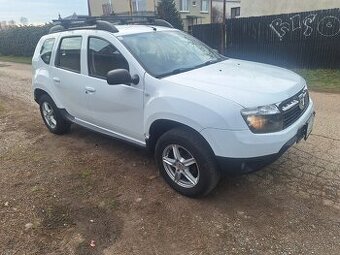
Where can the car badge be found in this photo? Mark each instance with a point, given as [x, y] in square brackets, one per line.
[302, 101]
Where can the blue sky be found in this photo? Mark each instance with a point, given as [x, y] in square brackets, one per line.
[40, 11]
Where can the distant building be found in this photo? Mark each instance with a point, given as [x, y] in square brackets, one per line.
[100, 7]
[232, 10]
[134, 6]
[192, 12]
[272, 7]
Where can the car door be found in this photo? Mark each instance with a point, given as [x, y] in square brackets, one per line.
[68, 81]
[118, 108]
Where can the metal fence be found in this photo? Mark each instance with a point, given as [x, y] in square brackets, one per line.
[298, 40]
[211, 34]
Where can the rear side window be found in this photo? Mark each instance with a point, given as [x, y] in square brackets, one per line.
[104, 57]
[68, 56]
[46, 50]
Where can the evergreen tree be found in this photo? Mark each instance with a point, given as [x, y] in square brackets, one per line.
[167, 10]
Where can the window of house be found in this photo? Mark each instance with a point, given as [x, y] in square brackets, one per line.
[184, 5]
[204, 5]
[46, 50]
[104, 57]
[68, 56]
[235, 12]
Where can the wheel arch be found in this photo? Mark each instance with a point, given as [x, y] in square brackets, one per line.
[38, 93]
[161, 126]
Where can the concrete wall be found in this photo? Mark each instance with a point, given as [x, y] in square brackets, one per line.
[271, 7]
[122, 6]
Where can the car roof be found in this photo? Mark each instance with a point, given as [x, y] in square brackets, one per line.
[137, 29]
[122, 30]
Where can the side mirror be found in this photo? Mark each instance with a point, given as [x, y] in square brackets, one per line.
[121, 76]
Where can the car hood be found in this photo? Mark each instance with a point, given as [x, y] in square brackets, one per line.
[248, 84]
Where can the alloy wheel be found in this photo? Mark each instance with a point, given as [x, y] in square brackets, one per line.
[181, 166]
[49, 115]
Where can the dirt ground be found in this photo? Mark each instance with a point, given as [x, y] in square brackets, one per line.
[60, 194]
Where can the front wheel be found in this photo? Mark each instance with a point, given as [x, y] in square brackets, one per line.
[186, 162]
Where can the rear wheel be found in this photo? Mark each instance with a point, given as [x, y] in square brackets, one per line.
[52, 116]
[186, 162]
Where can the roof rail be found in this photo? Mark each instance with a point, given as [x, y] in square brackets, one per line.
[75, 24]
[106, 23]
[162, 23]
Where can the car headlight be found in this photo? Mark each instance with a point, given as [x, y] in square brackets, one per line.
[263, 119]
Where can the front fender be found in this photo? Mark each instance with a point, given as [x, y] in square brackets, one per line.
[197, 114]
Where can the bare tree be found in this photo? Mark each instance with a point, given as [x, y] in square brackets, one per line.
[23, 20]
[217, 15]
[11, 23]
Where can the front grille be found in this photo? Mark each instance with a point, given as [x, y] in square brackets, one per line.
[293, 108]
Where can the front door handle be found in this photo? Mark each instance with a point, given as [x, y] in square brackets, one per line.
[56, 79]
[89, 90]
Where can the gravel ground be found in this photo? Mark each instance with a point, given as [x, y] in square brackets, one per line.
[83, 193]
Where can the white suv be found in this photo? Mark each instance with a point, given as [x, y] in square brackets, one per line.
[202, 114]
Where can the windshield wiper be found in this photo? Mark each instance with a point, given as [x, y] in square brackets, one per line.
[176, 71]
[209, 62]
[186, 69]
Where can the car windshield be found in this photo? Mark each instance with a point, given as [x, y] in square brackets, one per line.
[169, 52]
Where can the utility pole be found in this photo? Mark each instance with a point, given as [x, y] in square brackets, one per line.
[224, 26]
[211, 11]
[89, 7]
[130, 4]
[224, 10]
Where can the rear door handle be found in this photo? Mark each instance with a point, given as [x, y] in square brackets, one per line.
[56, 80]
[89, 90]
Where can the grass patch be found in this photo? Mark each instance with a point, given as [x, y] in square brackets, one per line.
[86, 174]
[109, 203]
[321, 80]
[15, 59]
[37, 189]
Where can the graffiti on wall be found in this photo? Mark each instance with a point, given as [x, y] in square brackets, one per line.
[328, 26]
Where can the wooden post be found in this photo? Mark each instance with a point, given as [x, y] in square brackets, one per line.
[224, 27]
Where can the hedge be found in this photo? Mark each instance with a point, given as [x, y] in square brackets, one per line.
[21, 40]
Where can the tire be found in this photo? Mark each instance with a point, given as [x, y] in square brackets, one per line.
[193, 172]
[52, 117]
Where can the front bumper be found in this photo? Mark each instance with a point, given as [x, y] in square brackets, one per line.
[239, 166]
[240, 152]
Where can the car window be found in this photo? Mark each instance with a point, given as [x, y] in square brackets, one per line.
[104, 57]
[68, 56]
[169, 52]
[46, 50]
